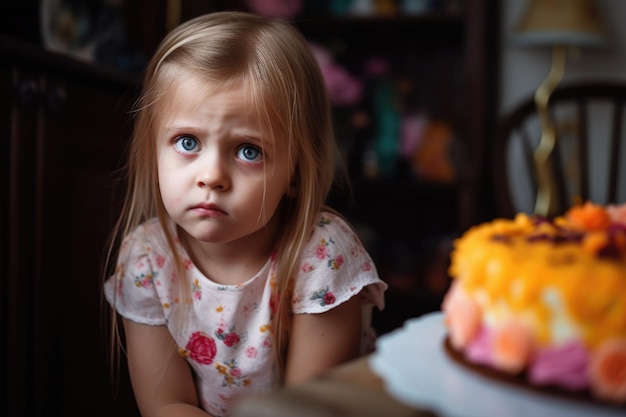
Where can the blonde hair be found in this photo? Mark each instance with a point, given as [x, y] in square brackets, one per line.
[273, 64]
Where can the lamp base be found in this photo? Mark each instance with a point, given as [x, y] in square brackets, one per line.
[546, 203]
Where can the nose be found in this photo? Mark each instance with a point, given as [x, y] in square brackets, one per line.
[213, 174]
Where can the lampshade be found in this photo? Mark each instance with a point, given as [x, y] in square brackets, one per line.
[560, 22]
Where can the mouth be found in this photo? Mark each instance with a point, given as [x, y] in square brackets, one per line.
[208, 210]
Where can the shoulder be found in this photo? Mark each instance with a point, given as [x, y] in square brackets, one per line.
[329, 219]
[148, 231]
[144, 240]
[333, 225]
[141, 276]
[334, 266]
[334, 242]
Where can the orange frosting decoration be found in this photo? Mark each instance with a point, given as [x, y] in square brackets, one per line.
[608, 370]
[512, 346]
[589, 216]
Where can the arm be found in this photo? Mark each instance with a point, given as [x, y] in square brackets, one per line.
[162, 380]
[321, 341]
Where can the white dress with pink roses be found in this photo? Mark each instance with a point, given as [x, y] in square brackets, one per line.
[225, 335]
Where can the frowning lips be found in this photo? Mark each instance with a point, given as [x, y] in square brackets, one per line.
[209, 209]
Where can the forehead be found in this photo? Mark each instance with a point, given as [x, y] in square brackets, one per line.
[180, 85]
[191, 101]
[194, 90]
[188, 93]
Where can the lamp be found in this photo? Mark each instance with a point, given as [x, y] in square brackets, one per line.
[559, 24]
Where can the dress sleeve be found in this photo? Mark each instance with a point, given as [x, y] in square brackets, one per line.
[132, 289]
[335, 267]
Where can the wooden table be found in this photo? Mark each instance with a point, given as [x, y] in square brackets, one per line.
[351, 390]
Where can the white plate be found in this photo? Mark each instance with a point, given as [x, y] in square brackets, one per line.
[417, 371]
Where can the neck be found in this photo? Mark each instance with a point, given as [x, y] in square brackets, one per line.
[233, 262]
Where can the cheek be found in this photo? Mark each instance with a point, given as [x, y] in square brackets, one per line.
[277, 188]
[169, 182]
[161, 176]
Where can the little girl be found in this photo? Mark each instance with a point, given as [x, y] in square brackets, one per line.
[232, 277]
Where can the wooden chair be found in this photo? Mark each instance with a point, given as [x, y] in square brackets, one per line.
[589, 160]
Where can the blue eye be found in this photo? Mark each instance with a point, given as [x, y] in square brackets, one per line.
[186, 144]
[249, 153]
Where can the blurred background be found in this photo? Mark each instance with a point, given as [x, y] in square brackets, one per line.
[418, 89]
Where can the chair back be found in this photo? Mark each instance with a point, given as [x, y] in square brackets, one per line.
[589, 160]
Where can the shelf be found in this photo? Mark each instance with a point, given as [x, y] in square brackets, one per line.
[400, 211]
[391, 32]
[56, 63]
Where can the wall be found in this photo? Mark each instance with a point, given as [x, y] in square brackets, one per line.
[523, 69]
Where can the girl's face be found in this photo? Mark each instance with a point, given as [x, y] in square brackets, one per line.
[220, 180]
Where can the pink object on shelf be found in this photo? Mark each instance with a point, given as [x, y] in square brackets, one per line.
[278, 8]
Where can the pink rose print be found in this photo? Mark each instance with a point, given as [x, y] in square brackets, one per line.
[321, 252]
[329, 298]
[307, 267]
[325, 296]
[188, 264]
[230, 338]
[201, 348]
[160, 261]
[367, 266]
[251, 352]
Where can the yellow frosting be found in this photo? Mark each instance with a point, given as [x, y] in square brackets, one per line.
[564, 288]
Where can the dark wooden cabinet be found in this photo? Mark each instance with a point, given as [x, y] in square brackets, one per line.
[64, 127]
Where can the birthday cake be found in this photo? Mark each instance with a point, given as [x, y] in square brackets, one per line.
[544, 301]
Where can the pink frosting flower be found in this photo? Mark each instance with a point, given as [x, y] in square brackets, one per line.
[617, 213]
[564, 366]
[462, 316]
[512, 346]
[607, 371]
[479, 350]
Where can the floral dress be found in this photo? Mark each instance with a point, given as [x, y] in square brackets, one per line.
[225, 334]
